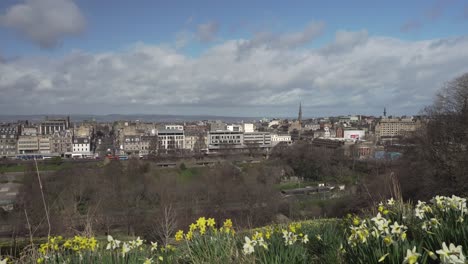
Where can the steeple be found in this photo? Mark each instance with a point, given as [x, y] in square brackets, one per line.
[385, 112]
[299, 118]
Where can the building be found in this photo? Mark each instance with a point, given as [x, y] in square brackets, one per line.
[217, 126]
[82, 145]
[339, 131]
[8, 140]
[49, 126]
[396, 127]
[225, 139]
[258, 139]
[61, 142]
[278, 138]
[248, 128]
[44, 144]
[234, 127]
[29, 130]
[171, 139]
[131, 145]
[354, 134]
[148, 144]
[175, 127]
[27, 144]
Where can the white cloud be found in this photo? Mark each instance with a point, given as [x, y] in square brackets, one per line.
[356, 73]
[45, 22]
[285, 40]
[207, 32]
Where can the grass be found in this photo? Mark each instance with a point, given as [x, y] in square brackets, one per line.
[22, 167]
[294, 185]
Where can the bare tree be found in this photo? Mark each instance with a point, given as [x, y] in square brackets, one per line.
[166, 224]
[439, 161]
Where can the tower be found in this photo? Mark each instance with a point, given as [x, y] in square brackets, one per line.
[299, 118]
[385, 112]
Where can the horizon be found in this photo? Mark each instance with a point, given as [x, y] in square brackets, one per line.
[249, 59]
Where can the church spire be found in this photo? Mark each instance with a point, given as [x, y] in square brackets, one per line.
[385, 112]
[299, 118]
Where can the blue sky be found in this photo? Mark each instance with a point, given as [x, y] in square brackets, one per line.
[193, 37]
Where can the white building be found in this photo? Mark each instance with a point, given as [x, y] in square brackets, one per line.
[82, 145]
[44, 145]
[235, 128]
[274, 123]
[249, 128]
[355, 134]
[171, 139]
[225, 139]
[175, 127]
[28, 144]
[259, 139]
[278, 138]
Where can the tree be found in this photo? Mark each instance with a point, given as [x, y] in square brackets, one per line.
[439, 161]
[153, 147]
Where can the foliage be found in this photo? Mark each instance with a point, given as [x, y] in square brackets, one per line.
[400, 234]
[397, 232]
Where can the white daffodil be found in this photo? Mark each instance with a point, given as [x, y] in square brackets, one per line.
[112, 243]
[4, 261]
[305, 239]
[397, 229]
[154, 246]
[262, 243]
[148, 261]
[452, 254]
[289, 238]
[125, 249]
[411, 256]
[421, 209]
[139, 242]
[248, 246]
[391, 201]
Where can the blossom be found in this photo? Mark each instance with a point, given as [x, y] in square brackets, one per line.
[248, 246]
[179, 235]
[112, 244]
[125, 249]
[451, 254]
[391, 201]
[148, 261]
[211, 222]
[305, 239]
[382, 258]
[227, 223]
[289, 238]
[411, 256]
[398, 229]
[154, 246]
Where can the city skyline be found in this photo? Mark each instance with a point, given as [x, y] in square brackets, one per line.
[244, 59]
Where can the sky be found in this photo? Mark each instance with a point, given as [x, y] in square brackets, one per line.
[229, 58]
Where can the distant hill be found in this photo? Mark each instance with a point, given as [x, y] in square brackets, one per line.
[133, 117]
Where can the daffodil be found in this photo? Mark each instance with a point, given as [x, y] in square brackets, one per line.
[391, 201]
[154, 246]
[125, 249]
[112, 243]
[148, 261]
[411, 256]
[248, 247]
[382, 258]
[210, 222]
[179, 235]
[452, 254]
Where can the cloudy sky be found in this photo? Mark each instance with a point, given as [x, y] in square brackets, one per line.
[238, 58]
